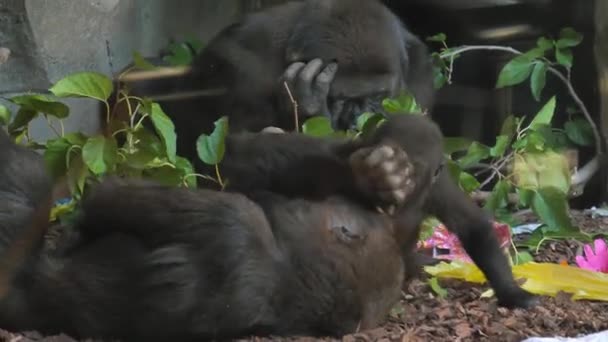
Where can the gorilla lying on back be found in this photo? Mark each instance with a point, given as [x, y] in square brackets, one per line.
[293, 246]
[340, 58]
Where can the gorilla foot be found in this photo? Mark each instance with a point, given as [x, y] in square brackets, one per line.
[384, 172]
[518, 298]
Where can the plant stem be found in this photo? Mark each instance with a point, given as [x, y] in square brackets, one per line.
[565, 80]
[295, 106]
[219, 177]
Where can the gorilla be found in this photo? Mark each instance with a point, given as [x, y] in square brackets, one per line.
[338, 58]
[294, 245]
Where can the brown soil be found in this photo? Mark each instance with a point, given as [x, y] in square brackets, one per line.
[464, 316]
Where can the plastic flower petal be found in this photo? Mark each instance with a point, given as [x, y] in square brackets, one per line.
[594, 260]
[443, 239]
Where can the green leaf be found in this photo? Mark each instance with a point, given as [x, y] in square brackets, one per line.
[84, 84]
[141, 63]
[77, 175]
[439, 78]
[100, 154]
[454, 170]
[568, 37]
[42, 104]
[180, 54]
[22, 119]
[475, 153]
[535, 171]
[368, 122]
[564, 57]
[434, 284]
[440, 37]
[405, 103]
[502, 142]
[544, 44]
[499, 198]
[509, 126]
[580, 132]
[211, 147]
[545, 115]
[515, 71]
[165, 129]
[553, 139]
[523, 258]
[427, 227]
[147, 148]
[186, 169]
[538, 79]
[456, 144]
[525, 197]
[5, 115]
[317, 126]
[551, 205]
[55, 156]
[468, 183]
[165, 175]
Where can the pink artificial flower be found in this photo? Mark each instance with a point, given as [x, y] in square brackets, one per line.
[443, 239]
[598, 261]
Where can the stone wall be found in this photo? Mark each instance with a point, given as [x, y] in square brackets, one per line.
[43, 40]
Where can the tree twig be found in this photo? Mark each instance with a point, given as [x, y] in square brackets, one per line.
[295, 106]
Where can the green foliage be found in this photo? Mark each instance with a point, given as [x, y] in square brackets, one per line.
[84, 84]
[318, 126]
[183, 53]
[5, 115]
[405, 103]
[211, 147]
[434, 284]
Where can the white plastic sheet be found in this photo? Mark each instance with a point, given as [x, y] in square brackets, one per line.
[597, 337]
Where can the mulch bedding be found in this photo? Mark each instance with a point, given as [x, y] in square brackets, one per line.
[463, 315]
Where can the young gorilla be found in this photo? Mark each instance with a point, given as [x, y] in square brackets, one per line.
[294, 246]
[339, 58]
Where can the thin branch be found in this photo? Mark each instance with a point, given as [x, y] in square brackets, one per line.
[295, 106]
[554, 71]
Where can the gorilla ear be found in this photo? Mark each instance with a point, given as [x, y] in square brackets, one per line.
[417, 68]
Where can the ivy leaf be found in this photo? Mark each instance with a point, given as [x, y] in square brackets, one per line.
[439, 78]
[180, 54]
[440, 37]
[535, 171]
[22, 119]
[475, 153]
[509, 126]
[42, 104]
[55, 156]
[564, 57]
[551, 205]
[5, 115]
[147, 148]
[538, 79]
[187, 171]
[211, 147]
[502, 142]
[515, 71]
[568, 37]
[77, 175]
[440, 291]
[468, 183]
[368, 122]
[523, 257]
[456, 144]
[580, 132]
[165, 129]
[545, 115]
[317, 126]
[100, 154]
[84, 84]
[141, 63]
[544, 44]
[499, 198]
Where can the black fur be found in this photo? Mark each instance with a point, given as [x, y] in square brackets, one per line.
[294, 246]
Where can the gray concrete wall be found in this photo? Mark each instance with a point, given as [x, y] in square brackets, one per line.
[45, 40]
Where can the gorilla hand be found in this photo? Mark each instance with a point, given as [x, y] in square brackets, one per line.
[309, 86]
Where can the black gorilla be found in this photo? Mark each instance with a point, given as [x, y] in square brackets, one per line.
[294, 246]
[339, 58]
